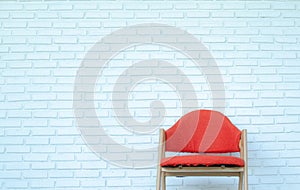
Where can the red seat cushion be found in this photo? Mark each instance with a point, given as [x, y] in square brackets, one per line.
[201, 160]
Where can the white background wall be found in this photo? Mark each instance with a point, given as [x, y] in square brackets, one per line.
[256, 45]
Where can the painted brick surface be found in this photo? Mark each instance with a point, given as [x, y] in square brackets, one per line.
[255, 44]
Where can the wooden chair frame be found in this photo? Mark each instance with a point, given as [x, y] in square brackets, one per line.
[241, 172]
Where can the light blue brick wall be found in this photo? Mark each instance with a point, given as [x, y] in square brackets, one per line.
[256, 45]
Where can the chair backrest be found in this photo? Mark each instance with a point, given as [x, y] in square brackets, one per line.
[203, 131]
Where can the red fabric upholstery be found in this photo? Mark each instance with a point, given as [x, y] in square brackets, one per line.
[203, 131]
[202, 160]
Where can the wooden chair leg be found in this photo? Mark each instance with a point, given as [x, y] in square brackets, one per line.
[158, 178]
[246, 180]
[241, 181]
[163, 184]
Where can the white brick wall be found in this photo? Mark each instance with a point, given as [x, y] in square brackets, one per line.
[256, 46]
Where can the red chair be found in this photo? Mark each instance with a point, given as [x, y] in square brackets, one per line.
[206, 134]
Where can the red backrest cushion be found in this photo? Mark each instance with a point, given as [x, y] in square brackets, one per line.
[203, 131]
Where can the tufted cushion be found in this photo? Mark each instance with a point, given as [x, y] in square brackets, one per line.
[203, 131]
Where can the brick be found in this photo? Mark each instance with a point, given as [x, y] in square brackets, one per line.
[269, 14]
[37, 56]
[291, 162]
[234, 6]
[62, 157]
[211, 23]
[61, 140]
[65, 40]
[43, 96]
[17, 166]
[37, 140]
[96, 14]
[10, 124]
[35, 174]
[222, 31]
[262, 121]
[40, 40]
[17, 132]
[290, 154]
[138, 173]
[274, 163]
[71, 15]
[17, 149]
[291, 48]
[283, 23]
[287, 170]
[121, 15]
[209, 6]
[235, 24]
[35, 123]
[289, 120]
[295, 31]
[12, 89]
[22, 15]
[61, 123]
[60, 7]
[271, 180]
[185, 6]
[10, 175]
[86, 173]
[19, 49]
[68, 149]
[281, 39]
[161, 6]
[134, 6]
[197, 14]
[13, 40]
[35, 6]
[271, 31]
[118, 182]
[85, 6]
[3, 49]
[13, 158]
[248, 47]
[42, 149]
[67, 183]
[64, 56]
[60, 174]
[142, 182]
[246, 14]
[291, 14]
[223, 14]
[272, 95]
[16, 184]
[266, 171]
[93, 183]
[47, 15]
[288, 137]
[23, 32]
[292, 179]
[10, 7]
[93, 165]
[68, 166]
[39, 24]
[13, 57]
[283, 6]
[15, 24]
[64, 25]
[42, 183]
[254, 6]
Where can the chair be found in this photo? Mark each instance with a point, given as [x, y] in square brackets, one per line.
[205, 135]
